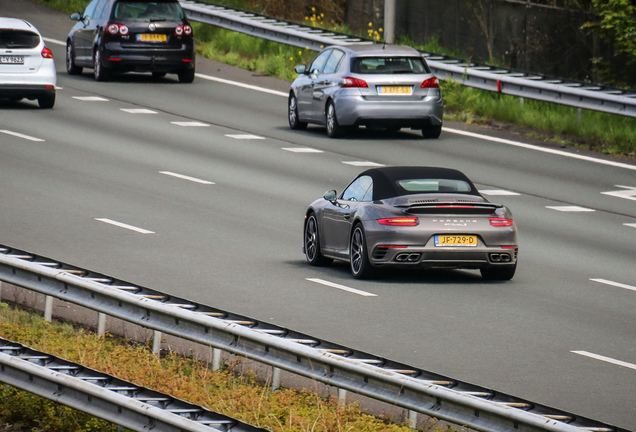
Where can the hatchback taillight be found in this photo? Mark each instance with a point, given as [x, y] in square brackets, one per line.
[46, 53]
[431, 83]
[117, 29]
[353, 82]
[183, 30]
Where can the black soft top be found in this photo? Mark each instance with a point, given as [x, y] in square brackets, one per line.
[385, 179]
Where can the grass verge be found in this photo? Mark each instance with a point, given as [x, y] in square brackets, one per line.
[238, 395]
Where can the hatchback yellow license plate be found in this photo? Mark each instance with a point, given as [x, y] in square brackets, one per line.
[455, 240]
[391, 90]
[152, 37]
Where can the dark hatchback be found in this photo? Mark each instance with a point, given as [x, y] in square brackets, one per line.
[113, 36]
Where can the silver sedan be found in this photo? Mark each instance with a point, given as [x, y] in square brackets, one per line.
[378, 86]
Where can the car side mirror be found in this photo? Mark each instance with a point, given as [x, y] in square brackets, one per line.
[330, 195]
[300, 69]
[76, 16]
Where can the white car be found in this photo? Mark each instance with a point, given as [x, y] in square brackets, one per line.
[27, 69]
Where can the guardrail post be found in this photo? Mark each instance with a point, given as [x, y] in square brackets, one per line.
[578, 114]
[342, 396]
[156, 342]
[412, 419]
[521, 102]
[48, 308]
[101, 324]
[275, 378]
[216, 358]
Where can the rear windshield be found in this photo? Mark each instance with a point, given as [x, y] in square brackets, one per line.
[148, 11]
[434, 185]
[18, 39]
[390, 65]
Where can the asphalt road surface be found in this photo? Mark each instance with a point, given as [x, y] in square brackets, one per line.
[199, 190]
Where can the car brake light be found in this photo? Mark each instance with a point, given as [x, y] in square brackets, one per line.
[46, 53]
[183, 30]
[399, 221]
[116, 28]
[353, 82]
[501, 222]
[392, 246]
[431, 83]
[453, 206]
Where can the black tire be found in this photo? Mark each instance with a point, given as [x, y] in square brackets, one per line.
[46, 101]
[334, 130]
[186, 76]
[99, 71]
[432, 132]
[311, 242]
[359, 263]
[292, 114]
[71, 68]
[499, 273]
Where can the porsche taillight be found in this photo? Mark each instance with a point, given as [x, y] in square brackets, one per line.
[399, 221]
[501, 222]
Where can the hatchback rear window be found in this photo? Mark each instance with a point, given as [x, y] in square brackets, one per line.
[148, 11]
[18, 39]
[390, 65]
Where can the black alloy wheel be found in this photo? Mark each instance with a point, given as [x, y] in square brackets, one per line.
[361, 268]
[312, 243]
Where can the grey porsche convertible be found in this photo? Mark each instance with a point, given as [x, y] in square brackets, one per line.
[410, 217]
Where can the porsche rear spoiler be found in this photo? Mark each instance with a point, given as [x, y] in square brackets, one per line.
[451, 207]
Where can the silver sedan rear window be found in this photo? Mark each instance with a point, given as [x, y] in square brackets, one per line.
[390, 65]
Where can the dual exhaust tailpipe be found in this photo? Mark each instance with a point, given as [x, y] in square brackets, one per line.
[500, 257]
[408, 257]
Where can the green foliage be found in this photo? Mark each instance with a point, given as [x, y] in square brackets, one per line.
[232, 390]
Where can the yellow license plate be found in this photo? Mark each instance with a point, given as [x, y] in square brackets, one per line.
[386, 90]
[455, 240]
[152, 37]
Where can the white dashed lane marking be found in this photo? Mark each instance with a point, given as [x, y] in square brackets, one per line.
[185, 177]
[90, 98]
[605, 359]
[245, 136]
[19, 135]
[341, 287]
[190, 124]
[138, 111]
[570, 209]
[302, 150]
[616, 284]
[126, 226]
[498, 192]
[363, 164]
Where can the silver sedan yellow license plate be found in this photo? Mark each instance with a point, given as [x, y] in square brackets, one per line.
[394, 90]
[443, 240]
[11, 59]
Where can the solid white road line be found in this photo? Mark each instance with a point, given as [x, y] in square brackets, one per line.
[19, 135]
[138, 110]
[185, 177]
[605, 359]
[616, 284]
[341, 287]
[126, 226]
[242, 85]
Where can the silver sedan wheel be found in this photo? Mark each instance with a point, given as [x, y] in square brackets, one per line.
[334, 130]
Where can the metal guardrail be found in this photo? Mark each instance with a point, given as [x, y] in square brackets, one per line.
[379, 378]
[516, 83]
[105, 396]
